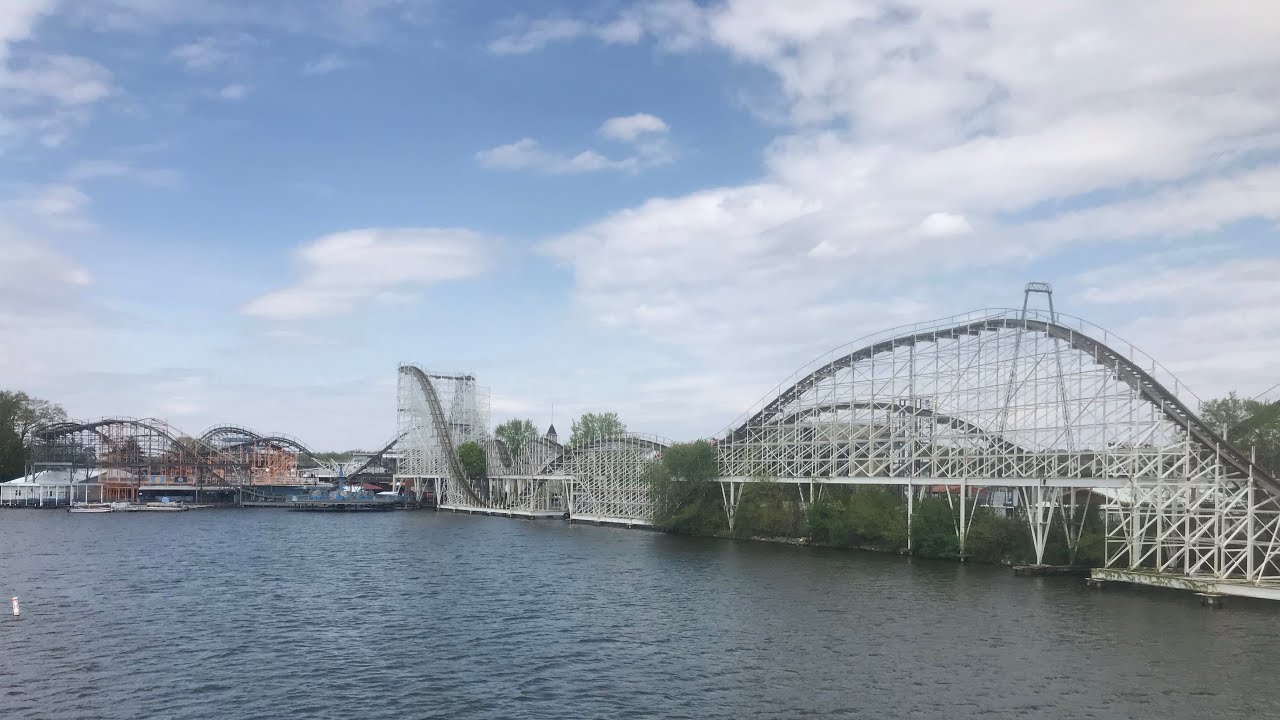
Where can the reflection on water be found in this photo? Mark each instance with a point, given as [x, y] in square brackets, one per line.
[271, 614]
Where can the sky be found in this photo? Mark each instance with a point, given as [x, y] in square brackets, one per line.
[215, 211]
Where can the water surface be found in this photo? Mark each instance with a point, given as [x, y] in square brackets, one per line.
[272, 614]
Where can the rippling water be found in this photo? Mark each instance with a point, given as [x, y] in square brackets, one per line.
[271, 614]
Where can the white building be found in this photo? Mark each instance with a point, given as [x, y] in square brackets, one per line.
[58, 487]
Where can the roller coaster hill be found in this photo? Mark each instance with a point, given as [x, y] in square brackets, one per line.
[1059, 415]
[142, 459]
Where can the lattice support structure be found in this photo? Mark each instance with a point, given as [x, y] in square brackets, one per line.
[437, 413]
[606, 478]
[126, 454]
[1054, 408]
[1208, 525]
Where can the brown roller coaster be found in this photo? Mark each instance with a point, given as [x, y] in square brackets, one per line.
[123, 454]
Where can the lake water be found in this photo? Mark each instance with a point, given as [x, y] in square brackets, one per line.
[273, 614]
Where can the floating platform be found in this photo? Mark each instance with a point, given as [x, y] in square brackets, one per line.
[614, 521]
[497, 512]
[1202, 586]
[341, 505]
[1052, 570]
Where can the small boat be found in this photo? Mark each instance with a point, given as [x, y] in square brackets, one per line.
[164, 507]
[90, 508]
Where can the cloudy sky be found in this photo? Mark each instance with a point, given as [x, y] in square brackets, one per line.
[222, 211]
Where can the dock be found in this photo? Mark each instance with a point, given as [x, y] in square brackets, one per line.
[1052, 570]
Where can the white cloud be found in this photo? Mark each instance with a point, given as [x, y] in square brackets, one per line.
[63, 79]
[39, 293]
[673, 24]
[630, 127]
[538, 35]
[931, 139]
[343, 271]
[98, 169]
[58, 206]
[34, 271]
[43, 96]
[18, 19]
[528, 154]
[941, 224]
[234, 92]
[647, 135]
[1179, 211]
[1208, 317]
[324, 65]
[203, 54]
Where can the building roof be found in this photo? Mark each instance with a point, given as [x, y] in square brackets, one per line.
[65, 477]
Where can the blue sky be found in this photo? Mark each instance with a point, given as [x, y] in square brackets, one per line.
[219, 211]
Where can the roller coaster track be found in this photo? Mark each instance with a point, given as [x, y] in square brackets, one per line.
[504, 453]
[1142, 382]
[209, 437]
[193, 450]
[254, 439]
[442, 428]
[908, 410]
[375, 457]
[635, 440]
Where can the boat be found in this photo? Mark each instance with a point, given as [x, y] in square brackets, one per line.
[90, 508]
[164, 507]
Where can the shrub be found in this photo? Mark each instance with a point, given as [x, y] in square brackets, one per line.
[933, 529]
[769, 509]
[860, 517]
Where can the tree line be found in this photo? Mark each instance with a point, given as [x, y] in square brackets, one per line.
[520, 433]
[20, 415]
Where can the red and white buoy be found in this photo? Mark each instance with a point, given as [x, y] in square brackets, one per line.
[16, 610]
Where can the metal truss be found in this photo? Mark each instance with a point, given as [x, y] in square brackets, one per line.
[606, 478]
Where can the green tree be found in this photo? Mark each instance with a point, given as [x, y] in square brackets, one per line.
[20, 415]
[686, 496]
[473, 460]
[517, 434]
[594, 426]
[691, 462]
[1249, 425]
[12, 455]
